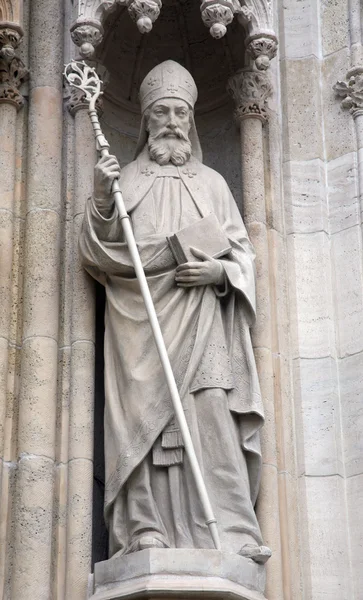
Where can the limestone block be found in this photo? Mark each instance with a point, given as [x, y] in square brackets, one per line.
[351, 386]
[12, 403]
[317, 401]
[63, 395]
[79, 528]
[83, 308]
[45, 116]
[302, 109]
[305, 196]
[41, 308]
[267, 509]
[344, 209]
[3, 389]
[60, 530]
[266, 377]
[38, 390]
[355, 502]
[6, 253]
[48, 51]
[327, 538]
[20, 158]
[261, 332]
[309, 267]
[7, 155]
[289, 504]
[180, 574]
[339, 133]
[273, 180]
[334, 19]
[34, 528]
[82, 398]
[8, 472]
[67, 271]
[17, 277]
[252, 171]
[347, 268]
[300, 33]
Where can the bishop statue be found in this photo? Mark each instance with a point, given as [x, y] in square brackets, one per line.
[206, 307]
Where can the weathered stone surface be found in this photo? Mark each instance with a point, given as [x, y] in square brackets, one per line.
[179, 573]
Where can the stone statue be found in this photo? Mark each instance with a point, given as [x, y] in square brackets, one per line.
[205, 308]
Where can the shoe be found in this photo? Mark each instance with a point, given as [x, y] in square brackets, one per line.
[260, 554]
[145, 542]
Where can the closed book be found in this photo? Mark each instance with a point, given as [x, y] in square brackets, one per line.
[206, 235]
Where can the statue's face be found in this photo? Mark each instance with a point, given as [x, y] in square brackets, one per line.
[169, 118]
[168, 124]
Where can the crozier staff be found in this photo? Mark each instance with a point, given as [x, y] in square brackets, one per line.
[205, 308]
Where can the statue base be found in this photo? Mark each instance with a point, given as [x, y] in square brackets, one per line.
[179, 574]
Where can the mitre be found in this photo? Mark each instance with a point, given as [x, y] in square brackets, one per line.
[168, 80]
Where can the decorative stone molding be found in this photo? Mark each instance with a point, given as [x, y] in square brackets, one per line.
[75, 98]
[217, 15]
[144, 13]
[87, 36]
[11, 11]
[262, 49]
[12, 70]
[351, 91]
[254, 15]
[250, 91]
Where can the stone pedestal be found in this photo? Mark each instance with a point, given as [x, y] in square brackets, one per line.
[179, 574]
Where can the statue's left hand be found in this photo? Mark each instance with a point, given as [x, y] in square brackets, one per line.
[208, 272]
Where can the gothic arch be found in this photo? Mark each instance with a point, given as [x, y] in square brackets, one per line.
[254, 15]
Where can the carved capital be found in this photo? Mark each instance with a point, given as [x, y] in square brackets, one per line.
[144, 13]
[250, 91]
[12, 70]
[262, 48]
[351, 91]
[87, 36]
[218, 15]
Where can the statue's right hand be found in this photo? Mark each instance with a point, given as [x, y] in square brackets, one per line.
[106, 170]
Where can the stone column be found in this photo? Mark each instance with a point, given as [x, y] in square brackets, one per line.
[38, 387]
[80, 448]
[13, 74]
[251, 90]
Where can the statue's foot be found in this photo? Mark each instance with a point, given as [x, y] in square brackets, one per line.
[260, 554]
[145, 542]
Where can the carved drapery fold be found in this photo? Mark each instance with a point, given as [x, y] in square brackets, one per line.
[250, 91]
[12, 70]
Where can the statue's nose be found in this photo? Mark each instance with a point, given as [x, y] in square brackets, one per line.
[172, 121]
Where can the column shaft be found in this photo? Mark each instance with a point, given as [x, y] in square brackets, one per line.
[7, 200]
[38, 389]
[254, 213]
[80, 472]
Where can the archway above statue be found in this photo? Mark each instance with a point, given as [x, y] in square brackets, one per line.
[254, 15]
[178, 34]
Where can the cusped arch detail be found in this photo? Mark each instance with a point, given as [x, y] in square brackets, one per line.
[90, 17]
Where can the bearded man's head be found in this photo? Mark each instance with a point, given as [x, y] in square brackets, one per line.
[168, 122]
[167, 98]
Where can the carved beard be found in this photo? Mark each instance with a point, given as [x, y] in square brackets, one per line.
[164, 149]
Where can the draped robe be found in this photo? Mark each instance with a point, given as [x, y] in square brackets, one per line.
[207, 335]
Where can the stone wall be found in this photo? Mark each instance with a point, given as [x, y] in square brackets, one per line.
[295, 165]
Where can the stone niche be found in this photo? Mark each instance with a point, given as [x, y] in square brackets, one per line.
[128, 55]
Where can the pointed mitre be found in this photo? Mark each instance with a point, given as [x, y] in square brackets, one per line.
[168, 80]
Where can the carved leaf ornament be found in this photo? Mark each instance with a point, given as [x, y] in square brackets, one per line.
[351, 92]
